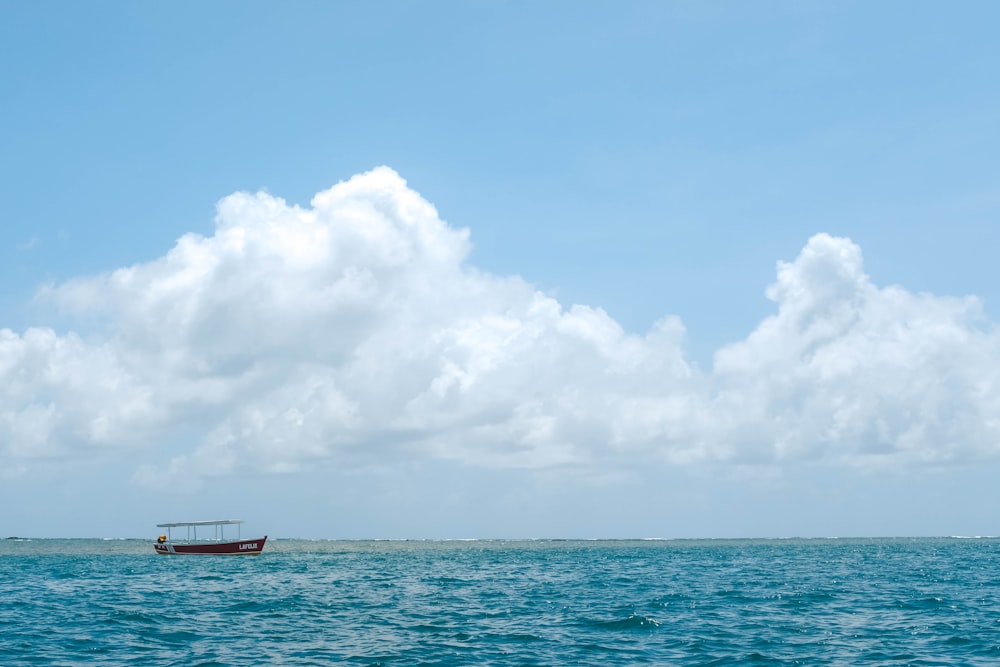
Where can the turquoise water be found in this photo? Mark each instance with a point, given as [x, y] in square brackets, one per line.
[756, 602]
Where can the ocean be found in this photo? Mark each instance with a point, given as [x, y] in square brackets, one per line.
[674, 602]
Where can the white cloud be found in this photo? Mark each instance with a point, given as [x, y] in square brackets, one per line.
[849, 372]
[354, 332]
[29, 244]
[58, 393]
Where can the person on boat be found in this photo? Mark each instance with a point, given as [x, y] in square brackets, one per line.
[161, 539]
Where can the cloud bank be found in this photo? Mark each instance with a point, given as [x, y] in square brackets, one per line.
[354, 333]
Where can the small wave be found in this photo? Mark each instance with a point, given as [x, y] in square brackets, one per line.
[959, 641]
[927, 604]
[514, 637]
[632, 622]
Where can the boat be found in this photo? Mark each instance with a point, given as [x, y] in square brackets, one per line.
[217, 545]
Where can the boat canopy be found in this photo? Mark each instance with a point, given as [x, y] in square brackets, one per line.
[193, 526]
[179, 524]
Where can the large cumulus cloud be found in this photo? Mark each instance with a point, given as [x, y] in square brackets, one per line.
[863, 375]
[354, 332]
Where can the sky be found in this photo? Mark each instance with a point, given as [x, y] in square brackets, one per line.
[500, 269]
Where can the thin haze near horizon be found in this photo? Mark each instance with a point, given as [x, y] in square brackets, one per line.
[500, 270]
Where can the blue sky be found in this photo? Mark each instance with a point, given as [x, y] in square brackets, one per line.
[639, 161]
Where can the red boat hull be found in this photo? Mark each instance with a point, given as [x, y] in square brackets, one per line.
[237, 548]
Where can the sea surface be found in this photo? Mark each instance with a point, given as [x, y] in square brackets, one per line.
[675, 602]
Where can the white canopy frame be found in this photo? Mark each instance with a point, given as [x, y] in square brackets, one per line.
[192, 529]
